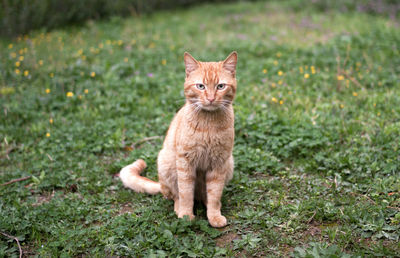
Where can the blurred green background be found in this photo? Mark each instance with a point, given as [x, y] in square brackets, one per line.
[20, 16]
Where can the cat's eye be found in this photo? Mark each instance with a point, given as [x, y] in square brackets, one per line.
[200, 86]
[221, 86]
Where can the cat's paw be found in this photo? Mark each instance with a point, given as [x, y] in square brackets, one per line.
[218, 221]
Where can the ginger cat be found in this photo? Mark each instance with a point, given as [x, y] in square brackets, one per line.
[196, 159]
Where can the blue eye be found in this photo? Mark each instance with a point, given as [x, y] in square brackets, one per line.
[200, 86]
[221, 86]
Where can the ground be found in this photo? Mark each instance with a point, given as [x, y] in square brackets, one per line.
[317, 134]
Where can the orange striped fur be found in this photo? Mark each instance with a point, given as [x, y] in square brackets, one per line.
[196, 159]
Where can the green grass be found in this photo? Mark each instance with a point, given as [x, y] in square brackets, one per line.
[316, 151]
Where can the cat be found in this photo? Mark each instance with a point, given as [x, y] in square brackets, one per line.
[196, 159]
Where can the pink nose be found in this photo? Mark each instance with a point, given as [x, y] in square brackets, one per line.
[211, 100]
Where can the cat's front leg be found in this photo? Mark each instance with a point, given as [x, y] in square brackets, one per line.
[186, 183]
[215, 182]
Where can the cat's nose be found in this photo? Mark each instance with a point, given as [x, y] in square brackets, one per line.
[211, 100]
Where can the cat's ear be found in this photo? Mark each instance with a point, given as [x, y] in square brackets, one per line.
[191, 64]
[230, 62]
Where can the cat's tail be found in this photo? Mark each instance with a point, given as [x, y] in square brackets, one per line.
[130, 176]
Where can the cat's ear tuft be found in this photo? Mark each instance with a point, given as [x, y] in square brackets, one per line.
[230, 62]
[191, 64]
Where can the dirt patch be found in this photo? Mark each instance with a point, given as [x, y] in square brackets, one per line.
[125, 208]
[313, 230]
[28, 250]
[226, 240]
[44, 198]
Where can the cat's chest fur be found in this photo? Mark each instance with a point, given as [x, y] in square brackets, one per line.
[207, 141]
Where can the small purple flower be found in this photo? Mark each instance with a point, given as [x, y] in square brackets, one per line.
[150, 74]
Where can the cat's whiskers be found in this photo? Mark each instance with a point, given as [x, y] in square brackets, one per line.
[180, 100]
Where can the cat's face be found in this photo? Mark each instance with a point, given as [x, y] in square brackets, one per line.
[210, 85]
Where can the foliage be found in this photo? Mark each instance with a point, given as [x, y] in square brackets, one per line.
[22, 16]
[316, 148]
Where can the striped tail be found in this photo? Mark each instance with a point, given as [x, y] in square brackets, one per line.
[130, 176]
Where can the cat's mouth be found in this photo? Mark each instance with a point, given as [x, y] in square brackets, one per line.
[210, 106]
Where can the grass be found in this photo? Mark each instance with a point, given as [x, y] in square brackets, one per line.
[317, 134]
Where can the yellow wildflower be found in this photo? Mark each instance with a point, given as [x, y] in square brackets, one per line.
[340, 77]
[51, 75]
[17, 71]
[280, 73]
[70, 94]
[17, 64]
[21, 51]
[40, 62]
[13, 55]
[119, 42]
[276, 62]
[79, 96]
[26, 73]
[10, 46]
[48, 91]
[7, 90]
[80, 52]
[281, 102]
[301, 69]
[355, 94]
[86, 91]
[92, 74]
[265, 71]
[126, 60]
[21, 58]
[152, 45]
[280, 82]
[51, 120]
[341, 106]
[374, 104]
[274, 100]
[108, 42]
[273, 85]
[306, 75]
[83, 58]
[133, 41]
[278, 54]
[47, 135]
[312, 69]
[163, 62]
[379, 114]
[101, 45]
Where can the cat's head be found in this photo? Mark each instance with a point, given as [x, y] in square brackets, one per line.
[210, 85]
